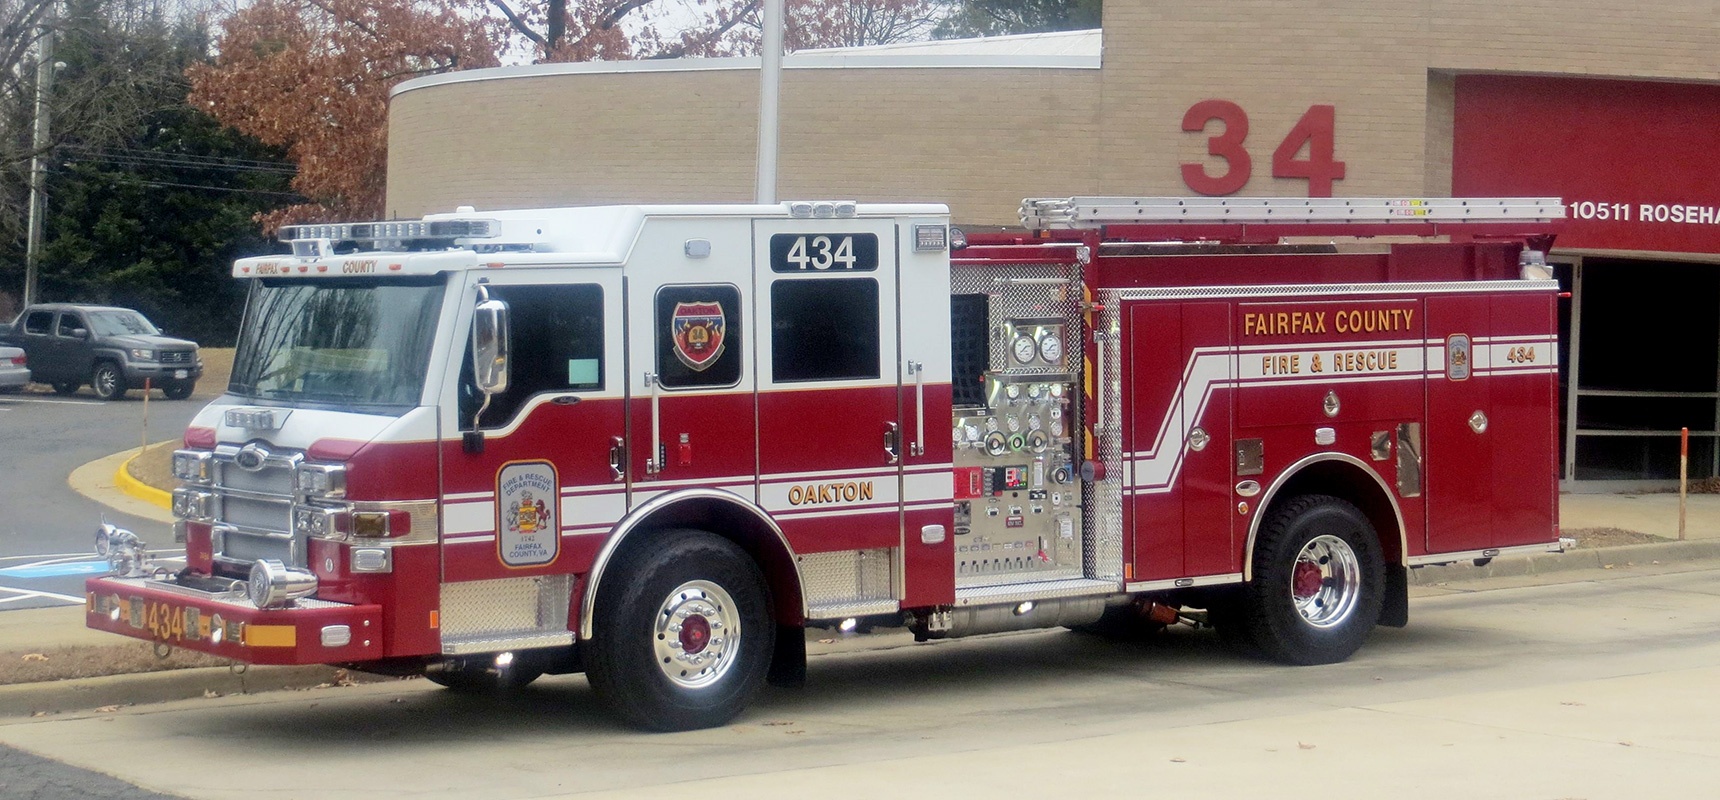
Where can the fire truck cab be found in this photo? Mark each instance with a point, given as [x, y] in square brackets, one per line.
[656, 443]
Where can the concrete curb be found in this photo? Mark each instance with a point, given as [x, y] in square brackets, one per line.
[1595, 558]
[149, 494]
[141, 688]
[97, 481]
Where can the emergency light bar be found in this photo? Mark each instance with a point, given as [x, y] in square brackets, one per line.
[1092, 212]
[373, 232]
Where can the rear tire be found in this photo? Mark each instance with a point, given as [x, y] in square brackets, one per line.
[66, 387]
[108, 381]
[1318, 583]
[682, 633]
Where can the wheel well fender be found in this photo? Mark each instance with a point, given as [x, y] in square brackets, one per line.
[1345, 477]
[719, 512]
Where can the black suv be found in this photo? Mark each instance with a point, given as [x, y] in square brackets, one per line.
[111, 349]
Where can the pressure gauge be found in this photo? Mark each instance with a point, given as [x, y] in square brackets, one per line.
[1051, 348]
[1024, 349]
[1013, 390]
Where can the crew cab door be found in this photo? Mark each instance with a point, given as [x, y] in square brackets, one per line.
[540, 496]
[831, 438]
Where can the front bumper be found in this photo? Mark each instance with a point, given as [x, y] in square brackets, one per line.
[228, 625]
[137, 371]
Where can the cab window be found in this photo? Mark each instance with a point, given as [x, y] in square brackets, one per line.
[555, 335]
[698, 336]
[824, 329]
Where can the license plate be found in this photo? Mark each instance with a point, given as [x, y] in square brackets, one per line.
[167, 622]
[182, 374]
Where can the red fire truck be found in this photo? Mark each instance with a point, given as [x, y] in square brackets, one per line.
[657, 443]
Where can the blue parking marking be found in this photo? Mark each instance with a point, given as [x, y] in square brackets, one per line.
[56, 570]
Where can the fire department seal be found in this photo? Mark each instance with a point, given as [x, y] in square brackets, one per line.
[1457, 357]
[698, 331]
[527, 495]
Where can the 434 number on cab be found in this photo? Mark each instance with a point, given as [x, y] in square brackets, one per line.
[823, 252]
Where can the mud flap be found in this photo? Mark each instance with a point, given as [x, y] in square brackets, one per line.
[1394, 612]
[788, 663]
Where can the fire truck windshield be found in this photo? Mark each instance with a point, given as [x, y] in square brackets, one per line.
[347, 342]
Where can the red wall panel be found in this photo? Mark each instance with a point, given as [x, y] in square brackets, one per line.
[1636, 161]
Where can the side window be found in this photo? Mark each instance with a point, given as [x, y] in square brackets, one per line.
[698, 336]
[824, 329]
[556, 339]
[39, 322]
[69, 322]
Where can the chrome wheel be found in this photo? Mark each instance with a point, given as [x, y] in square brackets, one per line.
[107, 382]
[1325, 582]
[698, 629]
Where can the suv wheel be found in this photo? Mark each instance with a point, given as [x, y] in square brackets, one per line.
[66, 387]
[107, 381]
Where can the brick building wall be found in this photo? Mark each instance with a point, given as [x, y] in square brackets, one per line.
[982, 137]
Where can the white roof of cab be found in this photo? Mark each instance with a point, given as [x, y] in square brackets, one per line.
[575, 235]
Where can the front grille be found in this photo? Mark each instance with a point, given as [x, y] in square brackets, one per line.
[176, 357]
[256, 511]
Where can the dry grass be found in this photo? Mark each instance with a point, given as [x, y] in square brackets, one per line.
[91, 661]
[1589, 538]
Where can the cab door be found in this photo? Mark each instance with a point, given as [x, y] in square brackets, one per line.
[540, 495]
[831, 438]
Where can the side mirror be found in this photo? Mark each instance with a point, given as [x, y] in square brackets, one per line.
[489, 359]
[490, 345]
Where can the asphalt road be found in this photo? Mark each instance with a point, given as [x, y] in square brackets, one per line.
[46, 529]
[1599, 688]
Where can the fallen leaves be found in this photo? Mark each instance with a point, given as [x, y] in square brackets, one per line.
[34, 657]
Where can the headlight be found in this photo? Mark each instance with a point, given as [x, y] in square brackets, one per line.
[321, 480]
[193, 466]
[143, 354]
[276, 585]
[191, 503]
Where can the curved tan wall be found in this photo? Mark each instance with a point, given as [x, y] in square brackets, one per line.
[980, 139]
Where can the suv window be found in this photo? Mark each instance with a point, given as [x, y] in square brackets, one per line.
[38, 322]
[69, 321]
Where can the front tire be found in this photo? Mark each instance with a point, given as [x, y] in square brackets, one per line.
[107, 381]
[682, 633]
[1318, 583]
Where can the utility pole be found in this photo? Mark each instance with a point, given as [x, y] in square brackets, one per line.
[770, 88]
[45, 67]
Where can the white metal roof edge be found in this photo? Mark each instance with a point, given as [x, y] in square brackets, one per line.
[810, 61]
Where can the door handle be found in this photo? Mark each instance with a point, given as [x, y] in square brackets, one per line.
[893, 442]
[617, 457]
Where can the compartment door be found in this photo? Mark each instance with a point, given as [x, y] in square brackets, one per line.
[1458, 451]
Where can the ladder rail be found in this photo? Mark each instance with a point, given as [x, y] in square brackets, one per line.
[1290, 212]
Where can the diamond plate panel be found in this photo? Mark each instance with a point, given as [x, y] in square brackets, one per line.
[505, 607]
[1026, 291]
[848, 577]
[1104, 526]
